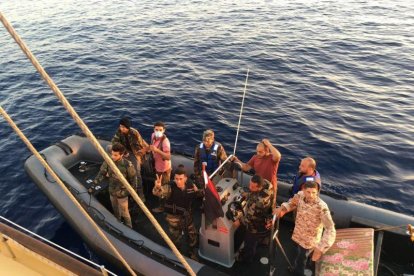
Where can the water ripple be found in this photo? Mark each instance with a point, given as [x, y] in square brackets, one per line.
[329, 79]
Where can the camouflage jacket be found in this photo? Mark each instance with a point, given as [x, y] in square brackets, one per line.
[133, 140]
[311, 219]
[115, 186]
[176, 198]
[258, 208]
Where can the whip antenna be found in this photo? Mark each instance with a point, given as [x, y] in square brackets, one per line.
[241, 111]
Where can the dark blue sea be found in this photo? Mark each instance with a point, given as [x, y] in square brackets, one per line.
[329, 79]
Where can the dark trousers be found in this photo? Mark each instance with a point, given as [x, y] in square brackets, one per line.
[251, 240]
[301, 260]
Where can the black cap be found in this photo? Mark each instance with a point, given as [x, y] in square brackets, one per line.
[126, 122]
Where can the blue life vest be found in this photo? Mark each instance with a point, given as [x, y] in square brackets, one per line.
[299, 180]
[210, 158]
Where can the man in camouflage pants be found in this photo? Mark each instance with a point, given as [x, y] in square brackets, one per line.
[118, 193]
[135, 146]
[179, 195]
[258, 210]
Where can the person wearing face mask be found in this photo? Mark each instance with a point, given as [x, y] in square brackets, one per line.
[161, 151]
[265, 163]
[210, 153]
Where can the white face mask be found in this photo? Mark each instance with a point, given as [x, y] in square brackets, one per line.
[158, 134]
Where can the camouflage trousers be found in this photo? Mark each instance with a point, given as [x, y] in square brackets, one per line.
[120, 207]
[177, 224]
[166, 176]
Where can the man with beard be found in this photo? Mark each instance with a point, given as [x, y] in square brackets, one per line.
[117, 192]
[265, 164]
[307, 172]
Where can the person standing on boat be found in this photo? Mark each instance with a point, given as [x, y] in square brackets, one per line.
[179, 196]
[307, 172]
[312, 218]
[265, 163]
[210, 153]
[135, 147]
[118, 194]
[256, 219]
[161, 151]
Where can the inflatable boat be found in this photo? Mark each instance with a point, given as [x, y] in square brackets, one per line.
[76, 162]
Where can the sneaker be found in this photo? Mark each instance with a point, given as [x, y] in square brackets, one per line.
[158, 210]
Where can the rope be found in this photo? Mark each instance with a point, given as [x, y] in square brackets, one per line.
[62, 186]
[54, 244]
[94, 142]
[241, 111]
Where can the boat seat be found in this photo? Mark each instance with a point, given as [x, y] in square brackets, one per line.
[351, 254]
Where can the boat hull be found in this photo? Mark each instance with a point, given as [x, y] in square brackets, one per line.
[69, 152]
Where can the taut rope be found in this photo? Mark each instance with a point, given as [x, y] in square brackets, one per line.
[63, 187]
[95, 142]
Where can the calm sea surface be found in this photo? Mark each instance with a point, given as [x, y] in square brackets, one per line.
[330, 79]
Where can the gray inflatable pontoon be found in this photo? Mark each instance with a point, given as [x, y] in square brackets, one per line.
[151, 258]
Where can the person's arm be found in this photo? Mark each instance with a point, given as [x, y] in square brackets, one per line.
[244, 166]
[222, 155]
[161, 191]
[116, 138]
[239, 218]
[328, 236]
[132, 176]
[198, 192]
[103, 171]
[276, 156]
[165, 152]
[197, 163]
[140, 143]
[287, 206]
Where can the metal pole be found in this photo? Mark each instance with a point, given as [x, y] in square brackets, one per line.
[241, 111]
[378, 251]
[221, 165]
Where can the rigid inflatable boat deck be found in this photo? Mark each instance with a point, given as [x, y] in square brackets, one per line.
[142, 225]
